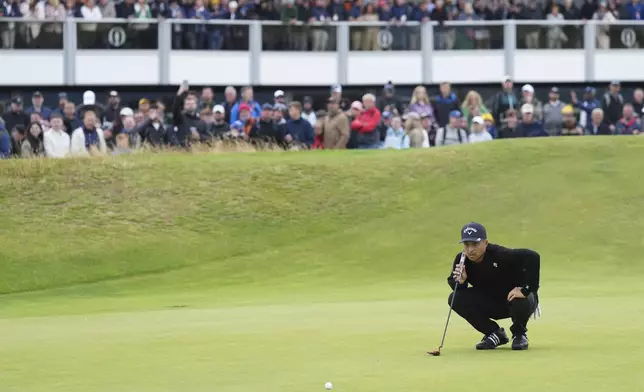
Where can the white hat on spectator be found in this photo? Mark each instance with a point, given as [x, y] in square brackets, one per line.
[336, 88]
[233, 5]
[507, 78]
[527, 88]
[127, 112]
[478, 120]
[356, 105]
[527, 108]
[278, 93]
[89, 98]
[219, 109]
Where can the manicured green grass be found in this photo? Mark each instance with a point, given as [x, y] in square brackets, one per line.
[279, 272]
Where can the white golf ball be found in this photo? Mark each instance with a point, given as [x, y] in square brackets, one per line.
[328, 386]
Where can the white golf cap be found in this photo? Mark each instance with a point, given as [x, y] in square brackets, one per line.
[356, 105]
[127, 112]
[278, 93]
[527, 108]
[89, 98]
[233, 5]
[219, 109]
[507, 78]
[527, 88]
[478, 120]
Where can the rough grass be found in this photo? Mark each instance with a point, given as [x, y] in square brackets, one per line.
[280, 271]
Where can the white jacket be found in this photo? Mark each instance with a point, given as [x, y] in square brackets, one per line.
[57, 143]
[78, 142]
[477, 137]
[90, 14]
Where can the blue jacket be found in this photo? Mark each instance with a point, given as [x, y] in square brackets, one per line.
[301, 131]
[45, 112]
[319, 13]
[397, 12]
[418, 14]
[5, 144]
[15, 11]
[588, 107]
[255, 111]
[354, 12]
[534, 129]
[636, 12]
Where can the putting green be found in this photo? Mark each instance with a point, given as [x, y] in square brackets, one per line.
[279, 272]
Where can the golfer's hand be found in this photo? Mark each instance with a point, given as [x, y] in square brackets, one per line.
[460, 275]
[515, 293]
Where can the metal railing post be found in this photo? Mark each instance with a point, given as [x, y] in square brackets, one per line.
[255, 48]
[164, 48]
[69, 52]
[427, 51]
[343, 38]
[509, 46]
[590, 29]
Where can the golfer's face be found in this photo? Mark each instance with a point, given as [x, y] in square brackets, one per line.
[474, 250]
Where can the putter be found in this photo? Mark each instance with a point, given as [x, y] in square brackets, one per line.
[437, 352]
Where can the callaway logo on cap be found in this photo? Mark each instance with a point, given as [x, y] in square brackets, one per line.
[473, 232]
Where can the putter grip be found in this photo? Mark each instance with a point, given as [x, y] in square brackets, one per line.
[461, 263]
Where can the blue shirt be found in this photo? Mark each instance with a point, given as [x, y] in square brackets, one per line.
[319, 13]
[399, 12]
[301, 131]
[45, 112]
[636, 11]
[255, 111]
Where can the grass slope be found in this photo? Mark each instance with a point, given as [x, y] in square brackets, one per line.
[278, 272]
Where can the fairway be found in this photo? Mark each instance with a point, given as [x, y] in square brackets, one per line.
[270, 272]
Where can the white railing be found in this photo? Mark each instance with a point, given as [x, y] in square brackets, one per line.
[420, 52]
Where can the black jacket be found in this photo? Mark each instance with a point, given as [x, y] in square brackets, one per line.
[612, 106]
[153, 136]
[112, 113]
[501, 270]
[71, 124]
[267, 132]
[393, 102]
[443, 106]
[11, 119]
[184, 123]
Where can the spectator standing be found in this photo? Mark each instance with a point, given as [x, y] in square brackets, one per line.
[289, 18]
[113, 109]
[247, 120]
[629, 124]
[489, 125]
[279, 97]
[56, 141]
[69, 118]
[72, 10]
[420, 103]
[384, 125]
[638, 101]
[587, 106]
[635, 10]
[9, 9]
[528, 127]
[556, 35]
[62, 102]
[107, 8]
[606, 17]
[479, 133]
[336, 131]
[5, 142]
[596, 125]
[612, 104]
[153, 130]
[417, 136]
[370, 33]
[207, 99]
[89, 12]
[510, 129]
[125, 10]
[552, 115]
[572, 12]
[175, 11]
[531, 11]
[527, 96]
[588, 9]
[37, 101]
[33, 10]
[267, 132]
[444, 103]
[16, 116]
[185, 117]
[299, 131]
[89, 103]
[570, 126]
[88, 139]
[452, 133]
[318, 130]
[367, 123]
[247, 98]
[399, 14]
[396, 137]
[504, 100]
[220, 128]
[307, 111]
[319, 33]
[389, 102]
[230, 96]
[54, 12]
[32, 145]
[443, 37]
[472, 107]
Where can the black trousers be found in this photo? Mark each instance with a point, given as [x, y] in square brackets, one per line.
[479, 309]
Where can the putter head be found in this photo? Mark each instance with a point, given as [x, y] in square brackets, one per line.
[435, 353]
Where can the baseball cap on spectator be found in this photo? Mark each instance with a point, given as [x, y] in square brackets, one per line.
[237, 125]
[114, 93]
[455, 114]
[37, 94]
[266, 106]
[55, 114]
[527, 88]
[389, 87]
[554, 90]
[280, 106]
[615, 83]
[488, 117]
[143, 101]
[567, 109]
[506, 78]
[16, 100]
[89, 98]
[527, 108]
[278, 93]
[336, 88]
[478, 120]
[62, 96]
[589, 90]
[126, 112]
[244, 106]
[219, 109]
[356, 105]
[386, 115]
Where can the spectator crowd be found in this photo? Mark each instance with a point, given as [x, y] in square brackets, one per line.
[306, 20]
[388, 121]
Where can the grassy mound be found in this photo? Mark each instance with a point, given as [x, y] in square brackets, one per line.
[278, 272]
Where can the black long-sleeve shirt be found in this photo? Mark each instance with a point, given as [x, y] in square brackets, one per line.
[501, 270]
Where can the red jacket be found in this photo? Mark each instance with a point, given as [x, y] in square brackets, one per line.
[367, 121]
